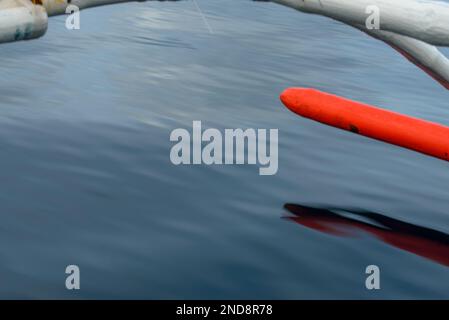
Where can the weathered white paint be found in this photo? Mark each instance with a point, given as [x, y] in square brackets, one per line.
[21, 20]
[425, 20]
[412, 27]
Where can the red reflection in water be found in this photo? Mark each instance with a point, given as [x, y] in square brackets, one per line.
[425, 242]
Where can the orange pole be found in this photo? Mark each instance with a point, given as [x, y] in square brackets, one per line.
[419, 135]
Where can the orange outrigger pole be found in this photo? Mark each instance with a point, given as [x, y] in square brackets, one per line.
[419, 135]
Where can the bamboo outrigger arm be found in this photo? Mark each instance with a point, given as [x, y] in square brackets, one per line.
[28, 19]
[425, 56]
[415, 28]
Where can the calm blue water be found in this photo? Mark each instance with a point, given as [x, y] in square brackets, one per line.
[85, 119]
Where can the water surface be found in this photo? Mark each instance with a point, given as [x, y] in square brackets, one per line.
[85, 119]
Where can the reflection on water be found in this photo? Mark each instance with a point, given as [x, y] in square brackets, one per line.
[85, 121]
[425, 242]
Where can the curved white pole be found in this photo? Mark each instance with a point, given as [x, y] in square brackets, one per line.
[425, 20]
[423, 55]
[412, 27]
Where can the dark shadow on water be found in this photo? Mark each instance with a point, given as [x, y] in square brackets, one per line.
[424, 242]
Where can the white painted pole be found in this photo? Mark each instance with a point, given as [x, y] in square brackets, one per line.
[425, 56]
[425, 20]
